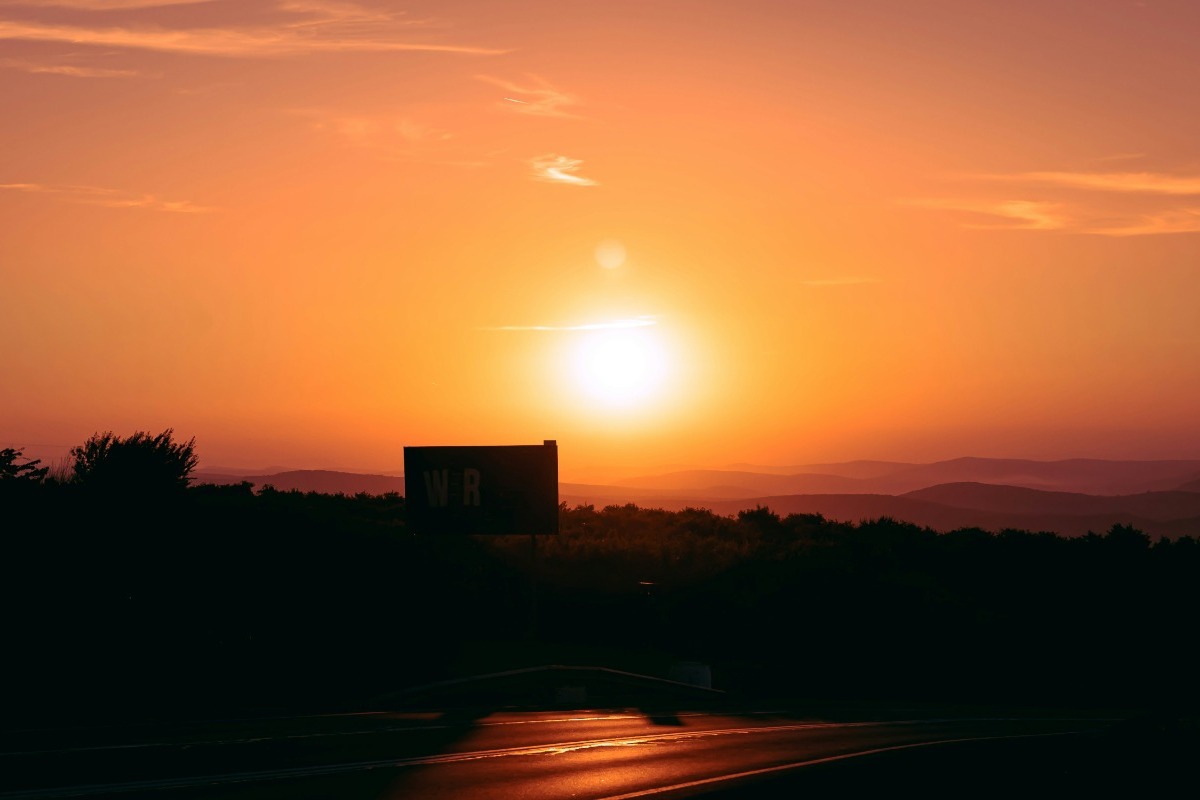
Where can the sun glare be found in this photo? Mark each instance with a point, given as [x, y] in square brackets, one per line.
[621, 368]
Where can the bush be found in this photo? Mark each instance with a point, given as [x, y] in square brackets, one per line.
[140, 462]
[10, 470]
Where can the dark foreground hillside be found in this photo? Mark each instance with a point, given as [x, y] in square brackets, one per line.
[221, 599]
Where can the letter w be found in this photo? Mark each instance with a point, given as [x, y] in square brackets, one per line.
[437, 487]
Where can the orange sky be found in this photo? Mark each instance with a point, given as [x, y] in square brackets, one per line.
[309, 233]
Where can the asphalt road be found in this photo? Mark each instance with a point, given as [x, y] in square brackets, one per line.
[546, 754]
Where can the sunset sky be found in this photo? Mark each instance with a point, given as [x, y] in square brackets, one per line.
[664, 232]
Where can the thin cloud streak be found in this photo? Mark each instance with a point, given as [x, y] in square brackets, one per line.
[373, 129]
[1028, 215]
[67, 70]
[559, 169]
[1137, 182]
[104, 5]
[1139, 211]
[222, 42]
[848, 281]
[542, 100]
[110, 198]
[324, 27]
[615, 324]
[1024, 214]
[1039, 216]
[1185, 220]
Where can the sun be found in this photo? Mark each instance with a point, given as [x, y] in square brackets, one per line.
[623, 368]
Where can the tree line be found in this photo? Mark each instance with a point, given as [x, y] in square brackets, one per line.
[128, 588]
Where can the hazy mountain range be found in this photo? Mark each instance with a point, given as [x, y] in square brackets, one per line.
[1070, 497]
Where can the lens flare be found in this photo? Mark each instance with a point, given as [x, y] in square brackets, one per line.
[610, 254]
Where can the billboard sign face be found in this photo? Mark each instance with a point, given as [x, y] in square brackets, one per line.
[511, 489]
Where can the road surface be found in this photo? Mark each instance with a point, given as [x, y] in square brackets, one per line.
[533, 755]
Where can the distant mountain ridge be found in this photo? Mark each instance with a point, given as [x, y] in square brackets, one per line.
[1004, 499]
[845, 469]
[938, 517]
[1089, 476]
[1161, 498]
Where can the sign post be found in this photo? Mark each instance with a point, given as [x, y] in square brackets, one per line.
[501, 490]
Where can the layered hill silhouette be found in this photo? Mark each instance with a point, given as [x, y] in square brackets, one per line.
[310, 480]
[1090, 476]
[1070, 497]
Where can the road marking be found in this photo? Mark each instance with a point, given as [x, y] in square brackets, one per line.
[812, 762]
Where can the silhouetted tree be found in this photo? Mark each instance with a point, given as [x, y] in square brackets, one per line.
[761, 519]
[29, 470]
[1127, 539]
[141, 462]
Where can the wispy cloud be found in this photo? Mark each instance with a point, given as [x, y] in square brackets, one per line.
[1081, 202]
[103, 5]
[1135, 182]
[538, 98]
[1025, 215]
[109, 198]
[68, 70]
[1021, 214]
[371, 130]
[305, 26]
[559, 169]
[644, 321]
[847, 281]
[1185, 220]
[395, 137]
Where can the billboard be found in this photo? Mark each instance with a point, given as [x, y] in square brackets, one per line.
[500, 489]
